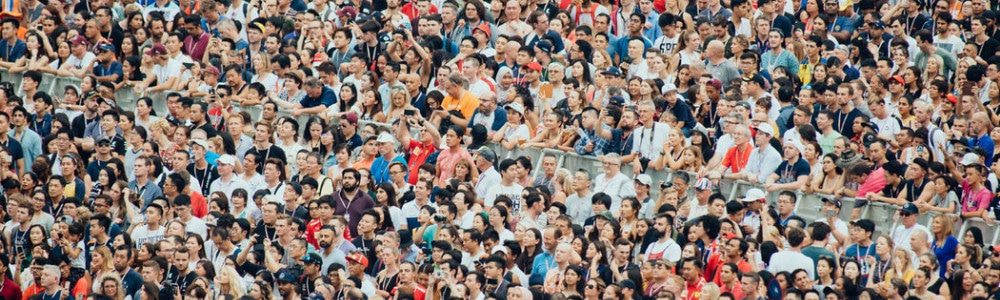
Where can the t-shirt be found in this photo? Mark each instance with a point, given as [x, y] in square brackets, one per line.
[788, 173]
[668, 250]
[467, 104]
[974, 200]
[512, 191]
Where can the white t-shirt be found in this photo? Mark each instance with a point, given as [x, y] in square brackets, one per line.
[143, 234]
[519, 133]
[649, 141]
[666, 44]
[164, 72]
[789, 261]
[618, 187]
[668, 249]
[82, 62]
[197, 226]
[512, 191]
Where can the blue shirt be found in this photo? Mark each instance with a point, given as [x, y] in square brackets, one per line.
[107, 70]
[986, 143]
[540, 267]
[326, 98]
[12, 53]
[380, 168]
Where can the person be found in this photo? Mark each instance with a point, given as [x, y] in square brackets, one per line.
[792, 258]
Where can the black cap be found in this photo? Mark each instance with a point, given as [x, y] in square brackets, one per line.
[836, 202]
[909, 209]
[286, 275]
[312, 258]
[865, 224]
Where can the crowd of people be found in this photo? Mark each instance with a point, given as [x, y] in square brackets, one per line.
[356, 149]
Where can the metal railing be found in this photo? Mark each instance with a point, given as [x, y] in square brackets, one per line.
[809, 206]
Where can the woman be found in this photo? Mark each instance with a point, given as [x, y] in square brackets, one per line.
[593, 289]
[370, 106]
[229, 282]
[101, 265]
[945, 198]
[830, 180]
[961, 284]
[937, 284]
[263, 75]
[672, 156]
[105, 179]
[239, 207]
[72, 170]
[684, 81]
[312, 136]
[36, 57]
[944, 245]
[883, 250]
[292, 91]
[974, 239]
[572, 283]
[385, 196]
[529, 249]
[549, 134]
[963, 260]
[399, 104]
[57, 65]
[628, 215]
[826, 271]
[386, 279]
[111, 286]
[690, 49]
[515, 132]
[902, 268]
[196, 249]
[499, 221]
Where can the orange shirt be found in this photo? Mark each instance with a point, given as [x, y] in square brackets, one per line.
[467, 104]
[736, 159]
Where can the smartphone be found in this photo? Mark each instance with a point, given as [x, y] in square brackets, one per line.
[409, 112]
[187, 65]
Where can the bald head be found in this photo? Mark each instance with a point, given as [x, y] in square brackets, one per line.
[716, 48]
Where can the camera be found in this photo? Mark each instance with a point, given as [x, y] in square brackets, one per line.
[439, 218]
[665, 185]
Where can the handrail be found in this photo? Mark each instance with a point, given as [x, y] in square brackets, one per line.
[126, 99]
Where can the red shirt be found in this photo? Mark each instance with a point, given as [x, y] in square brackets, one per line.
[410, 11]
[199, 207]
[693, 291]
[736, 159]
[418, 153]
[10, 290]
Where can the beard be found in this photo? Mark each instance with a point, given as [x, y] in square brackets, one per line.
[324, 245]
[350, 188]
[627, 126]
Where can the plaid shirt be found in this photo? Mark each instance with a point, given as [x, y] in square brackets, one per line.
[590, 136]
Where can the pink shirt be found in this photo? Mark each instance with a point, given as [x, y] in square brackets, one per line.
[447, 160]
[873, 183]
[977, 200]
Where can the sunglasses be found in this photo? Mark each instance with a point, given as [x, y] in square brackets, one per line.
[591, 286]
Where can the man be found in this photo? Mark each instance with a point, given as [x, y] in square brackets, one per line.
[793, 173]
[199, 115]
[892, 193]
[648, 139]
[936, 137]
[908, 226]
[51, 276]
[484, 159]
[703, 190]
[981, 127]
[826, 135]
[887, 125]
[737, 157]
[751, 284]
[458, 99]
[12, 47]
[735, 254]
[545, 261]
[318, 98]
[12, 146]
[861, 235]
[792, 258]
[182, 209]
[288, 283]
[356, 265]
[786, 206]
[635, 30]
[165, 69]
[31, 141]
[143, 184]
[152, 230]
[691, 270]
[496, 268]
[349, 201]
[197, 39]
[263, 146]
[532, 216]
[717, 64]
[509, 170]
[578, 203]
[925, 42]
[228, 181]
[472, 250]
[132, 280]
[658, 279]
[819, 234]
[764, 159]
[613, 182]
[107, 69]
[179, 273]
[201, 171]
[548, 172]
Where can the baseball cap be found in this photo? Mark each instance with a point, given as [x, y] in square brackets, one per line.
[534, 66]
[485, 28]
[487, 153]
[766, 128]
[754, 195]
[157, 49]
[312, 259]
[351, 117]
[613, 71]
[103, 142]
[834, 201]
[285, 275]
[226, 159]
[516, 106]
[970, 158]
[909, 209]
[703, 184]
[106, 48]
[544, 45]
[385, 137]
[644, 179]
[898, 78]
[865, 224]
[80, 40]
[358, 258]
[200, 142]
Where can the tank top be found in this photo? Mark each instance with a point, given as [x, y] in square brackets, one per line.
[913, 191]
